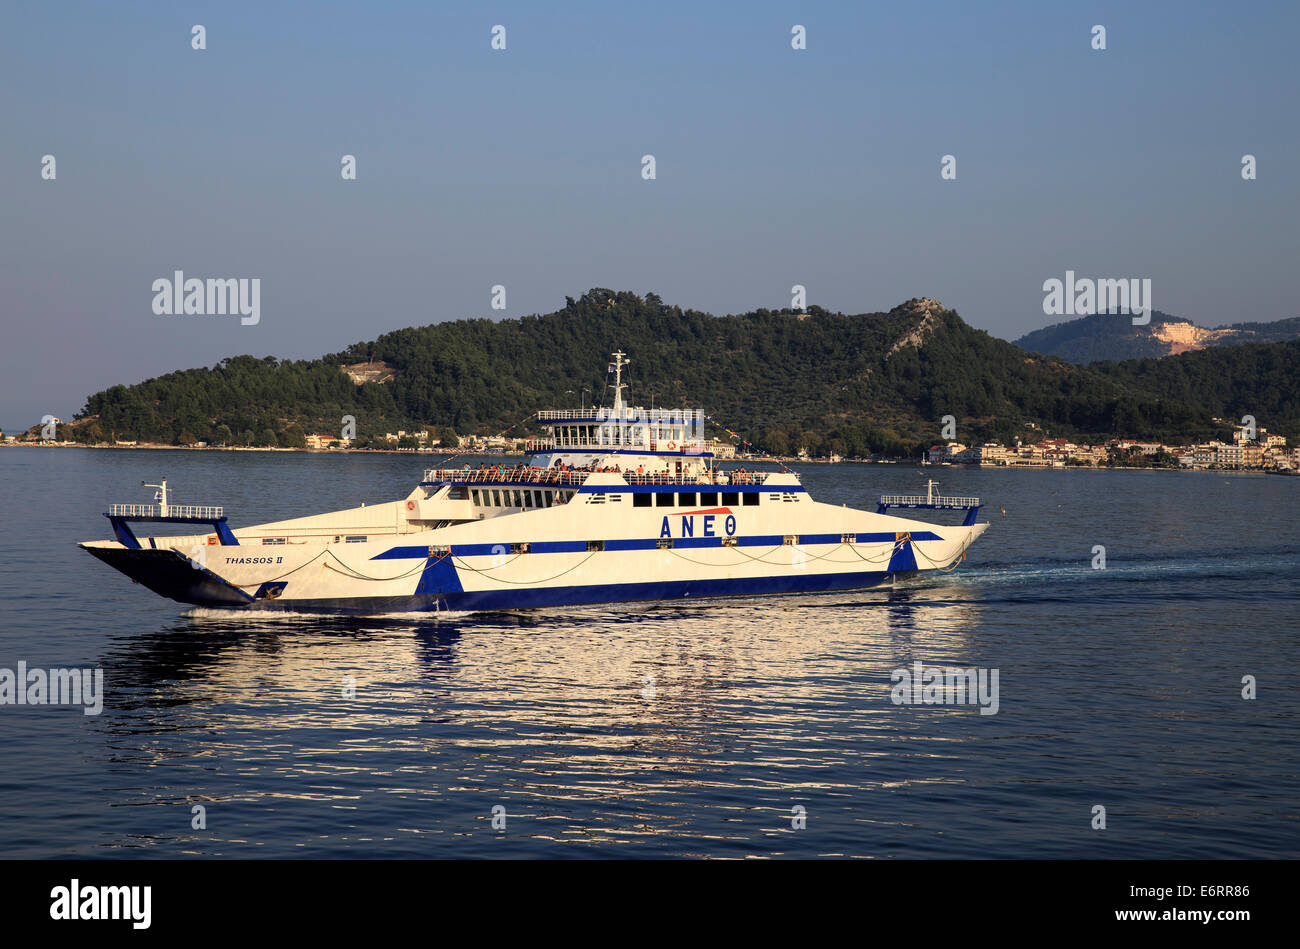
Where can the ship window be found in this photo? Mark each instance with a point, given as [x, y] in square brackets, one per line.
[686, 498]
[708, 497]
[664, 499]
[537, 499]
[457, 492]
[595, 545]
[546, 496]
[790, 540]
[475, 494]
[664, 543]
[751, 498]
[514, 499]
[520, 548]
[641, 499]
[730, 497]
[496, 497]
[528, 499]
[273, 540]
[355, 539]
[848, 538]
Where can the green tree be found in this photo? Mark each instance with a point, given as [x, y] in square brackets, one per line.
[293, 437]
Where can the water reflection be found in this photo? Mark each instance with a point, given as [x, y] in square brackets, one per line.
[587, 724]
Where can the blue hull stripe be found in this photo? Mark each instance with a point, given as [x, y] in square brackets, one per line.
[643, 543]
[581, 595]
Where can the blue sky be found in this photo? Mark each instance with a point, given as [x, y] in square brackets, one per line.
[522, 167]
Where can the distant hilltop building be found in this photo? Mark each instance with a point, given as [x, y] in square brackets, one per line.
[376, 371]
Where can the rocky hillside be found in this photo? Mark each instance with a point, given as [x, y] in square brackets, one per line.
[1105, 337]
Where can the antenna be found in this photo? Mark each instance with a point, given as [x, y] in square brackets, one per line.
[160, 496]
[617, 367]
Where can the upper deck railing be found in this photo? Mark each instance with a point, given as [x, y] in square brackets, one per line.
[625, 414]
[596, 446]
[196, 511]
[912, 500]
[498, 475]
[512, 475]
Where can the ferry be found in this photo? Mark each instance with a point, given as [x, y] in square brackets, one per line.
[615, 504]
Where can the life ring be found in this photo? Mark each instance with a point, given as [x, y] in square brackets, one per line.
[410, 505]
[672, 447]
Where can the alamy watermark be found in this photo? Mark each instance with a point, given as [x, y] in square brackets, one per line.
[24, 686]
[78, 901]
[1085, 297]
[937, 686]
[211, 297]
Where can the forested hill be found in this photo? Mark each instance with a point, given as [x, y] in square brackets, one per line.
[876, 382]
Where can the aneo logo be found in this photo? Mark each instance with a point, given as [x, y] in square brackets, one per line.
[687, 527]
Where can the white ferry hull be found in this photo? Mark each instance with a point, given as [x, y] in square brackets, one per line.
[547, 556]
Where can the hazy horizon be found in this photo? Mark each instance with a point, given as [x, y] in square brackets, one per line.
[522, 167]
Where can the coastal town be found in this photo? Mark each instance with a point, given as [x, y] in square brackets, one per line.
[1249, 450]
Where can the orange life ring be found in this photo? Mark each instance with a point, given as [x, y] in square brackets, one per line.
[410, 505]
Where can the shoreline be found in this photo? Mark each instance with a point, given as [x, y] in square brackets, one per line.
[520, 454]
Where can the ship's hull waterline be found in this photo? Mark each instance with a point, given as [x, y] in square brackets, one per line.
[601, 546]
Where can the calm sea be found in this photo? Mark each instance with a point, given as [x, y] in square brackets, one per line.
[724, 728]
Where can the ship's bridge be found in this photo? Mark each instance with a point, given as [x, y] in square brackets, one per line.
[625, 429]
[629, 437]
